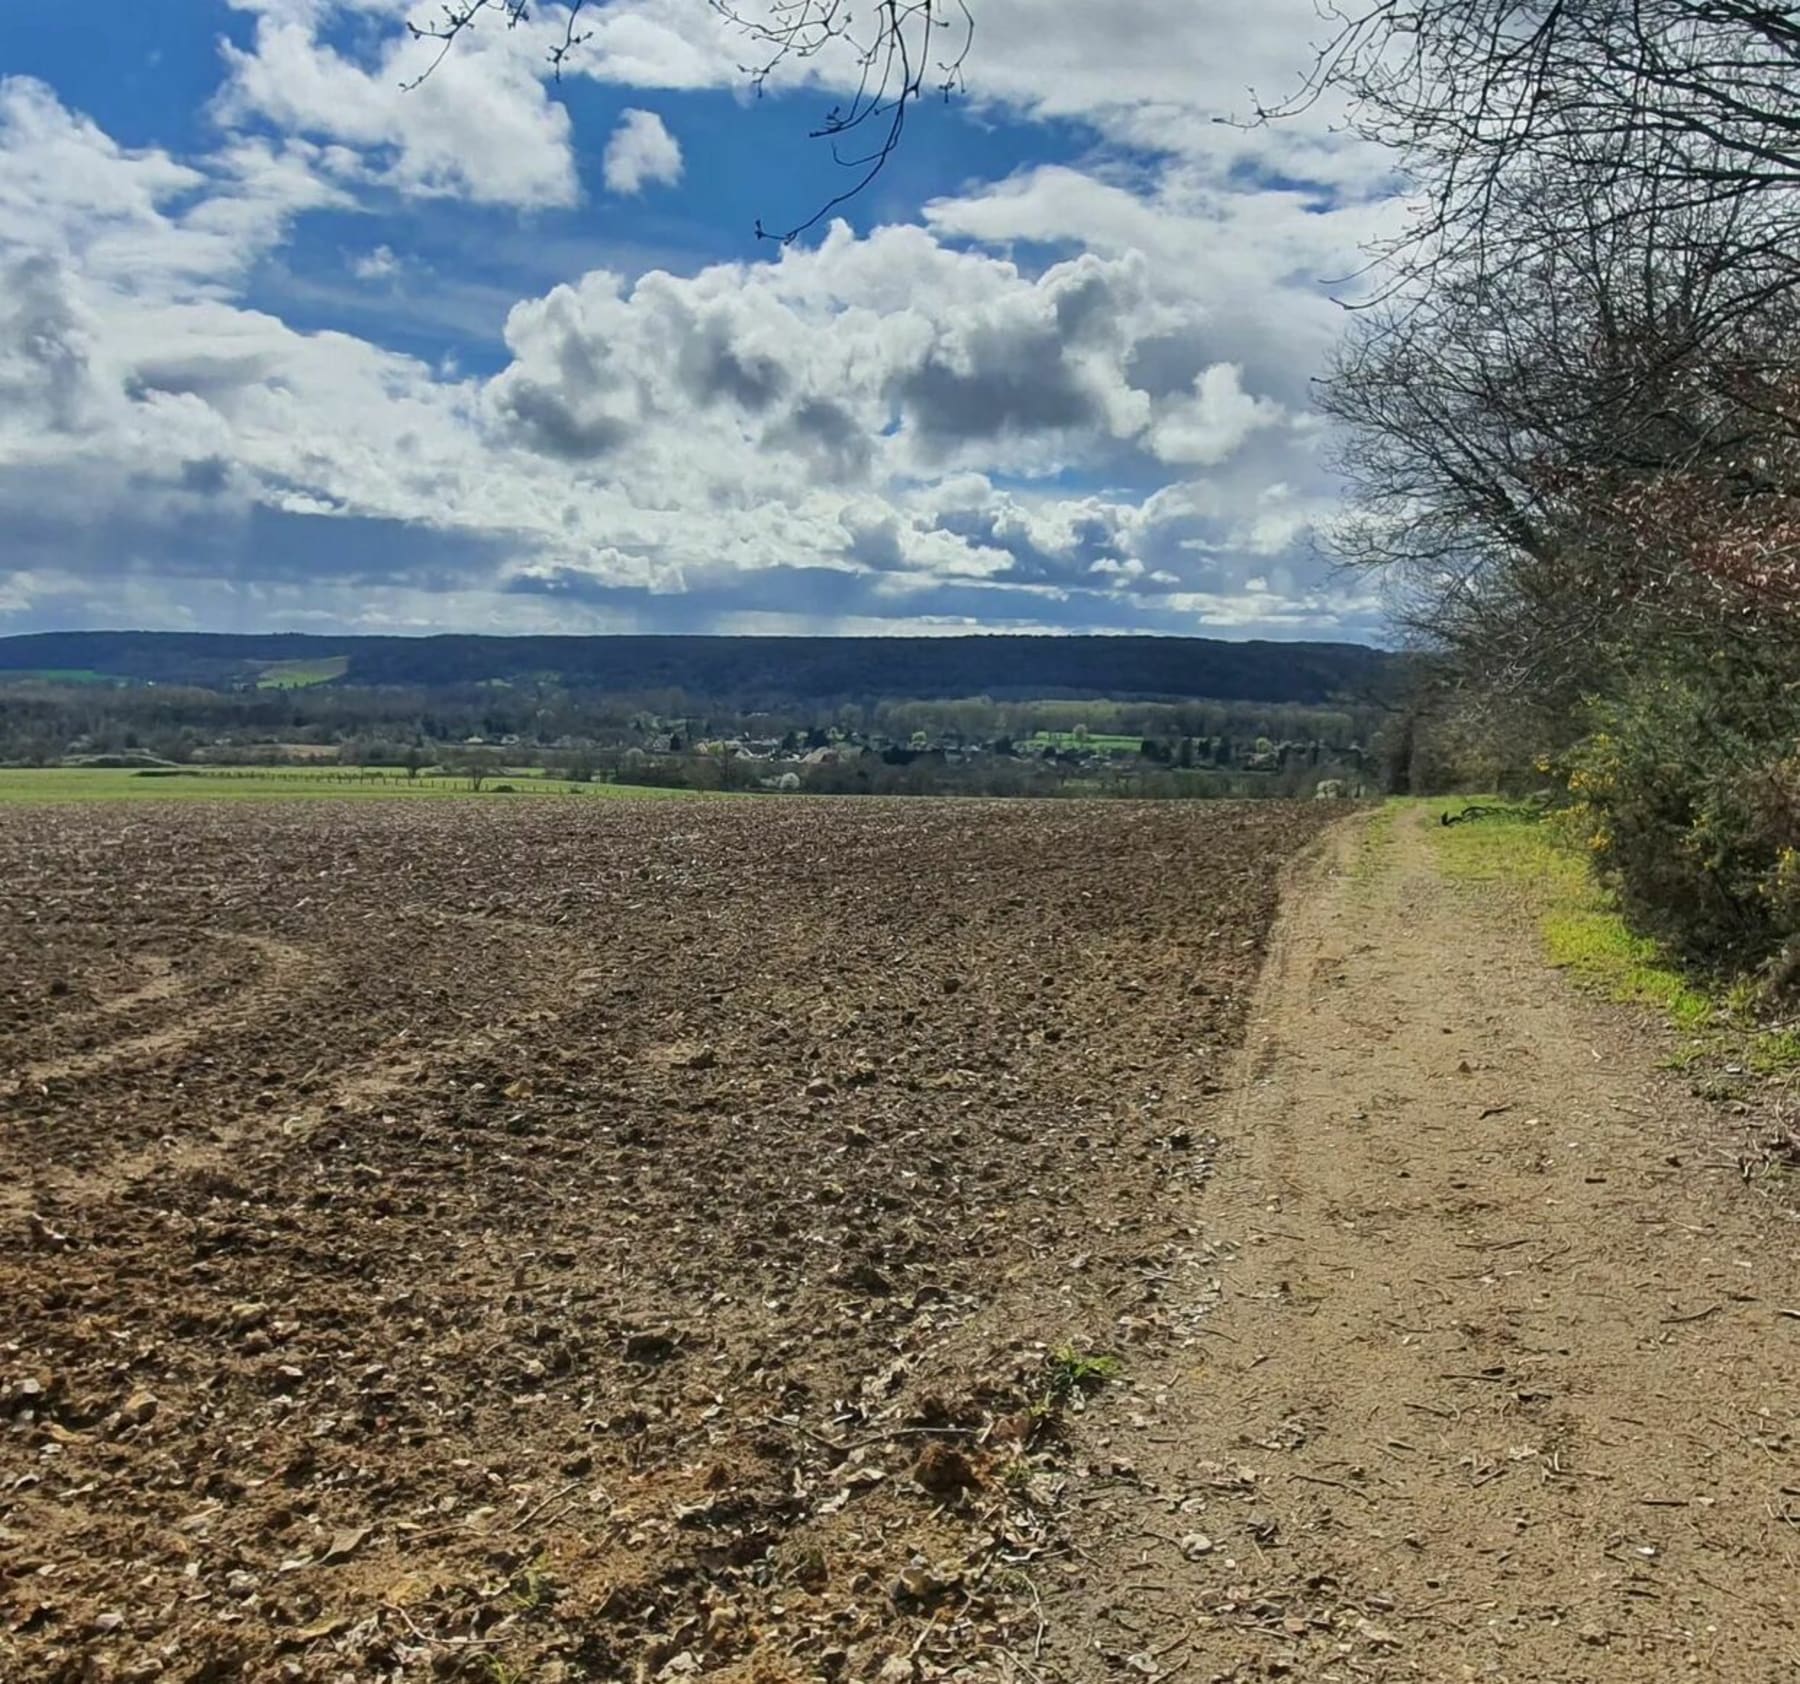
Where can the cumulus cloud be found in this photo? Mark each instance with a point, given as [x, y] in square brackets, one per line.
[892, 351]
[45, 376]
[137, 218]
[1210, 426]
[1070, 399]
[482, 126]
[641, 151]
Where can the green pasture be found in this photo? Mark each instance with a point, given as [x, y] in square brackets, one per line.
[56, 675]
[302, 675]
[305, 783]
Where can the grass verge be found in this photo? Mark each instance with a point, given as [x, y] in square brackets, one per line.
[1582, 930]
[1584, 935]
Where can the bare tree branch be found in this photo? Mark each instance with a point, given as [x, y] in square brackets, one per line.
[1700, 96]
[891, 57]
[457, 18]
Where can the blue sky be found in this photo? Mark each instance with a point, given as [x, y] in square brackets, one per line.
[285, 347]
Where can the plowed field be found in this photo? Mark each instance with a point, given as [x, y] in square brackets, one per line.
[556, 1241]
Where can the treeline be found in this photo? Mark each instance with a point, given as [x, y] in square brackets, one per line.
[1574, 428]
[748, 673]
[44, 723]
[981, 716]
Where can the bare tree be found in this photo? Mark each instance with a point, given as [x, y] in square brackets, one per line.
[1573, 411]
[1551, 460]
[1699, 97]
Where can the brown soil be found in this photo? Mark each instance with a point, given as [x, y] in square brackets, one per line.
[1498, 1380]
[586, 1240]
[536, 1243]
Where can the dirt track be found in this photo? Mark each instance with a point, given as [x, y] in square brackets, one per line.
[1500, 1377]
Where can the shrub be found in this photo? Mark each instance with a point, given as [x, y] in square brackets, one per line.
[1687, 793]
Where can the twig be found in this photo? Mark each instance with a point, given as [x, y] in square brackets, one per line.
[525, 1520]
[443, 1642]
[1036, 1678]
[1722, 1590]
[1320, 1479]
[411, 1625]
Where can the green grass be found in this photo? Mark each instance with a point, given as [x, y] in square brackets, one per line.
[1585, 935]
[1582, 929]
[1071, 1370]
[57, 675]
[302, 675]
[306, 783]
[1775, 1052]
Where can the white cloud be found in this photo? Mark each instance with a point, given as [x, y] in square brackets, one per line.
[380, 264]
[1209, 427]
[891, 354]
[46, 374]
[928, 425]
[136, 218]
[481, 126]
[640, 152]
[1168, 76]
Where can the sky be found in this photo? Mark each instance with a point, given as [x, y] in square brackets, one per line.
[287, 346]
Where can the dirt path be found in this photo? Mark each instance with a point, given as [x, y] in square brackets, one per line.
[1501, 1375]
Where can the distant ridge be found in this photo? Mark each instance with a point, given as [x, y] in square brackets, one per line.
[746, 671]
